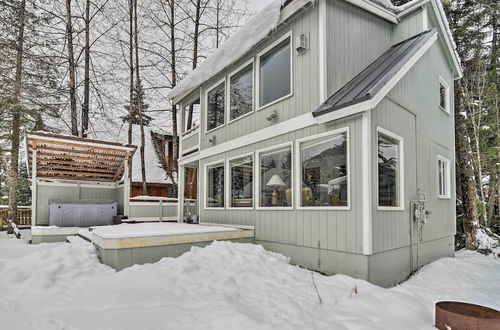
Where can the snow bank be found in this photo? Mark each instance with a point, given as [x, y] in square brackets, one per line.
[155, 229]
[226, 286]
[254, 31]
[488, 240]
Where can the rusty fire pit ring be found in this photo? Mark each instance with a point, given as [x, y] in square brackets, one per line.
[454, 315]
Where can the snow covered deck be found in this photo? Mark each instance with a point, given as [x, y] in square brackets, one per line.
[154, 234]
[125, 245]
[52, 234]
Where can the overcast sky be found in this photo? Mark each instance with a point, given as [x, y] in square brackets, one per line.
[256, 5]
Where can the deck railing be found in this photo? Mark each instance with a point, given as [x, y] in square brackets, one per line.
[23, 214]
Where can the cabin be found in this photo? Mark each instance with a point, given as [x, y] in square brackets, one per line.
[328, 127]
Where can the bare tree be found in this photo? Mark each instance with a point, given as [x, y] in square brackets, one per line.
[71, 69]
[16, 116]
[86, 79]
[139, 98]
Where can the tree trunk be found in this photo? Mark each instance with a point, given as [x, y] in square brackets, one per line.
[465, 170]
[131, 81]
[71, 64]
[86, 81]
[196, 37]
[173, 71]
[16, 117]
[139, 100]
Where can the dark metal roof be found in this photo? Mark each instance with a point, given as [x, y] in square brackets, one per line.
[371, 80]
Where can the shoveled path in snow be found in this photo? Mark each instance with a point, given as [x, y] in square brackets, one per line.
[225, 286]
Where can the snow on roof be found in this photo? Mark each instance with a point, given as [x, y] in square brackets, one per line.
[154, 171]
[255, 30]
[155, 229]
[387, 4]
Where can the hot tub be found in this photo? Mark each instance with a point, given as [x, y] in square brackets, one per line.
[81, 213]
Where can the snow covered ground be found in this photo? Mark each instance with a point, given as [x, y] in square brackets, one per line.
[223, 286]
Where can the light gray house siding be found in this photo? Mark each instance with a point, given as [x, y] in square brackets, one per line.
[330, 230]
[334, 241]
[355, 39]
[411, 110]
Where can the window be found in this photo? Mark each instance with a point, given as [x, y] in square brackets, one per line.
[324, 172]
[216, 106]
[215, 186]
[275, 73]
[444, 95]
[275, 178]
[443, 170]
[192, 115]
[241, 93]
[389, 170]
[241, 182]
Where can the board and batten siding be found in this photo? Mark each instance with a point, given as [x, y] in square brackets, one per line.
[354, 39]
[304, 77]
[412, 111]
[338, 230]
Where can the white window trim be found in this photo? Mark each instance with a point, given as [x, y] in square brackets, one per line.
[208, 90]
[228, 90]
[298, 170]
[205, 185]
[447, 178]
[443, 82]
[257, 177]
[400, 140]
[288, 35]
[228, 182]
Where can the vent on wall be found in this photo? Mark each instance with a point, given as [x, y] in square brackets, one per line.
[302, 43]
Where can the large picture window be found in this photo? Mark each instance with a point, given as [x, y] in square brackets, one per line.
[241, 182]
[275, 184]
[443, 170]
[389, 167]
[241, 93]
[215, 186]
[324, 172]
[216, 106]
[275, 73]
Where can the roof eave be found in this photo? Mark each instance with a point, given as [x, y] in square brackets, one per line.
[375, 9]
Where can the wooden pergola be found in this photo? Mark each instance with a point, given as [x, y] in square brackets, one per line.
[63, 157]
[62, 160]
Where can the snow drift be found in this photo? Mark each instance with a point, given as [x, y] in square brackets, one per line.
[225, 286]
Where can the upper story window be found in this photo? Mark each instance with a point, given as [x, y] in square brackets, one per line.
[216, 103]
[443, 176]
[444, 95]
[390, 176]
[324, 172]
[275, 73]
[241, 92]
